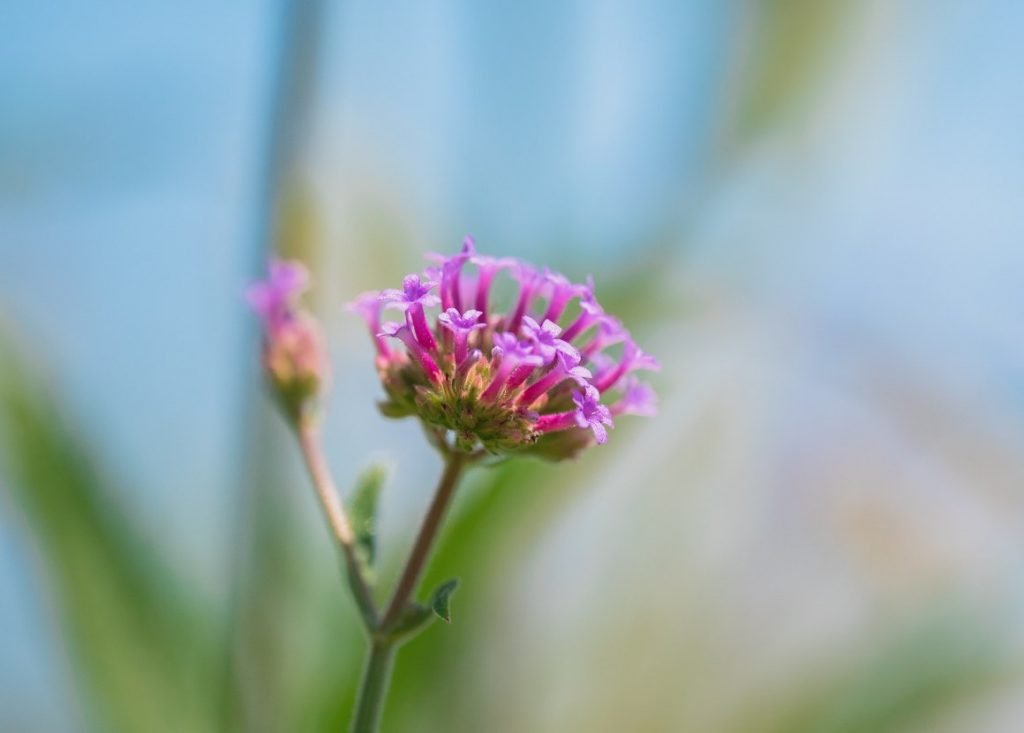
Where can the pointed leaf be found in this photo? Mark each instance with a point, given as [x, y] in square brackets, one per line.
[440, 602]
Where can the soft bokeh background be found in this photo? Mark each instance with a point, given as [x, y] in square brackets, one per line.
[811, 211]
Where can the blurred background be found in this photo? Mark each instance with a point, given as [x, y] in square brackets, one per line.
[810, 211]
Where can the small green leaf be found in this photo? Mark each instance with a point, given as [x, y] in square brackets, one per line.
[440, 602]
[364, 510]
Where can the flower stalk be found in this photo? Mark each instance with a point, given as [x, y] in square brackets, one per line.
[384, 632]
[420, 553]
[385, 640]
[337, 519]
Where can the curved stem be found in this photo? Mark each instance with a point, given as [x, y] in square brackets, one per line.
[455, 462]
[377, 675]
[374, 687]
[320, 473]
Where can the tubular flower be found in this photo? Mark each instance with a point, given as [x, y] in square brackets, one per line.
[543, 374]
[293, 349]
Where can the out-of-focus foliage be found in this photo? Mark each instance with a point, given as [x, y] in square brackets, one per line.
[905, 683]
[152, 654]
[144, 646]
[792, 42]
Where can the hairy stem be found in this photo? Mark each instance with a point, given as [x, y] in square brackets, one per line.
[327, 493]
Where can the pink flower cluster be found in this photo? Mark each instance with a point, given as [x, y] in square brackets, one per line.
[293, 350]
[534, 376]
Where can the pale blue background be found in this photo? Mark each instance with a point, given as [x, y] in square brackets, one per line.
[133, 139]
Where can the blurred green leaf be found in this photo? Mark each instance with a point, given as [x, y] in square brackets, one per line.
[791, 43]
[144, 648]
[440, 601]
[899, 683]
[363, 508]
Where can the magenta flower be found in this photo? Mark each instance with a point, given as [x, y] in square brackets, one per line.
[414, 292]
[369, 307]
[591, 312]
[512, 382]
[488, 267]
[414, 296]
[529, 282]
[450, 270]
[294, 356]
[415, 348]
[546, 343]
[633, 358]
[274, 299]
[562, 292]
[610, 331]
[589, 414]
[461, 325]
[637, 399]
[563, 368]
[512, 363]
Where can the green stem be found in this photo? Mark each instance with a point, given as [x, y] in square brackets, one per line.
[374, 687]
[377, 675]
[455, 462]
[337, 519]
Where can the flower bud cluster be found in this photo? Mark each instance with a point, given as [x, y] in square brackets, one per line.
[293, 348]
[545, 375]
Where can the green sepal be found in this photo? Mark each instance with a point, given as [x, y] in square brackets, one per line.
[565, 444]
[440, 602]
[394, 409]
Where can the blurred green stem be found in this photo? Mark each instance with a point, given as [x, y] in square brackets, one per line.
[374, 687]
[341, 527]
[385, 642]
[384, 632]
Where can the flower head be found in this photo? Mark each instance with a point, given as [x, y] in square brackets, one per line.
[274, 299]
[293, 351]
[517, 381]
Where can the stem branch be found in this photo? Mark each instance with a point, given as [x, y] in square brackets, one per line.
[377, 674]
[455, 462]
[320, 473]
